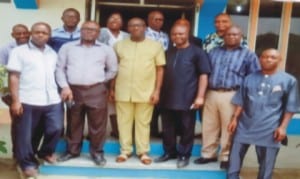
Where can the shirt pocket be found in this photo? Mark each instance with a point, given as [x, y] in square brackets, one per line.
[238, 69]
[275, 98]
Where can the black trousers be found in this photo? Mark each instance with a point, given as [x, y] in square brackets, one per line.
[186, 121]
[90, 101]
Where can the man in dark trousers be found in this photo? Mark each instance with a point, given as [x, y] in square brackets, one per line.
[183, 90]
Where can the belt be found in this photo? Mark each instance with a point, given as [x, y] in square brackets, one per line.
[225, 89]
[86, 86]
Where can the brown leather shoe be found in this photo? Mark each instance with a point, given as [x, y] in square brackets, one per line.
[52, 159]
[145, 159]
[30, 172]
[122, 158]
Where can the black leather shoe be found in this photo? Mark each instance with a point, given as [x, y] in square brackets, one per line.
[66, 156]
[99, 159]
[202, 160]
[224, 165]
[165, 158]
[182, 162]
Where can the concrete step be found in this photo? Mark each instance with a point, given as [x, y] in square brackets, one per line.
[132, 168]
[83, 166]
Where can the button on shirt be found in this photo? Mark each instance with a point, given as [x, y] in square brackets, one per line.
[60, 36]
[230, 67]
[264, 99]
[160, 37]
[136, 77]
[82, 65]
[37, 84]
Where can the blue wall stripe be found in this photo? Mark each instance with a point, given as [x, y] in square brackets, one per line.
[113, 147]
[294, 127]
[207, 15]
[131, 173]
[26, 4]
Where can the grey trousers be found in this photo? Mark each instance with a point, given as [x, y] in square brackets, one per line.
[266, 157]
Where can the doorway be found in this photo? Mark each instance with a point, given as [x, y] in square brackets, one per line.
[171, 14]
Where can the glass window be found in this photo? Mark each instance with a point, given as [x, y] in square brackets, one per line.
[293, 54]
[239, 13]
[268, 25]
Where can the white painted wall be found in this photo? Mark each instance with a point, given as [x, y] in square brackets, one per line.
[49, 11]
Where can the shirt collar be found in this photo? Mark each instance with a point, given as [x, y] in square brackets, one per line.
[97, 43]
[32, 46]
[62, 29]
[153, 31]
[239, 47]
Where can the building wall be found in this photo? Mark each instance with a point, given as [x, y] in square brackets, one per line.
[49, 11]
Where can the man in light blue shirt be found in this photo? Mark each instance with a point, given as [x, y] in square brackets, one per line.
[68, 32]
[264, 105]
[21, 35]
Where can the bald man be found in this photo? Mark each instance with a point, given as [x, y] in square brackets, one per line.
[87, 91]
[264, 105]
[192, 39]
[183, 90]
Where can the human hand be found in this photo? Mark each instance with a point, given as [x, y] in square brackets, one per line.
[66, 94]
[279, 134]
[197, 103]
[16, 109]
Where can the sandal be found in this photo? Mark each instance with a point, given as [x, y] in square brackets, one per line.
[145, 159]
[122, 158]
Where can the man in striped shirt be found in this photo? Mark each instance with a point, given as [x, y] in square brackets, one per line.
[230, 63]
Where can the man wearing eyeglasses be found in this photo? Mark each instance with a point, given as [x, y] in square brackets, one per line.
[87, 90]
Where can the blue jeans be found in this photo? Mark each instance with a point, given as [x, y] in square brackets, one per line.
[266, 157]
[35, 122]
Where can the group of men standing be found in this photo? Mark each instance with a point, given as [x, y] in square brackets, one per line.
[137, 72]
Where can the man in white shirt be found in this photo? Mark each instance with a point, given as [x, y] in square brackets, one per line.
[35, 99]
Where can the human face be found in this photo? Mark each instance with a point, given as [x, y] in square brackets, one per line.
[21, 35]
[40, 35]
[136, 28]
[270, 60]
[222, 23]
[232, 37]
[70, 19]
[89, 32]
[180, 35]
[156, 21]
[114, 22]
